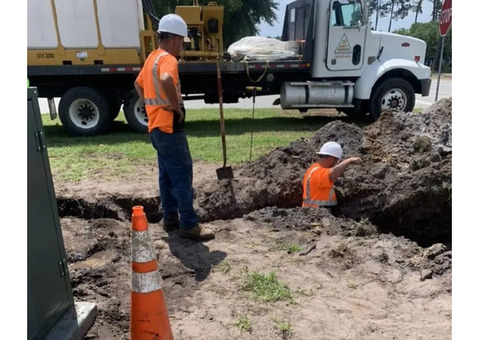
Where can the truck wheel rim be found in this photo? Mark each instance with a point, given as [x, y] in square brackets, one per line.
[140, 113]
[84, 114]
[394, 99]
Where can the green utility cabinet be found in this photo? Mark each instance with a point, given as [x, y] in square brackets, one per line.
[49, 288]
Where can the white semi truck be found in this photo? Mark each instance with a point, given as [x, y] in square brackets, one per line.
[89, 52]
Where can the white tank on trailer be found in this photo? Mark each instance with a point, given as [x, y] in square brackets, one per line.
[40, 25]
[119, 22]
[76, 23]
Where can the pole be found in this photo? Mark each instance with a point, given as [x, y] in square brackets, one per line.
[440, 66]
[253, 117]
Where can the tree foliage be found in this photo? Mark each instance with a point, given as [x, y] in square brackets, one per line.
[399, 9]
[436, 9]
[430, 33]
[417, 7]
[241, 17]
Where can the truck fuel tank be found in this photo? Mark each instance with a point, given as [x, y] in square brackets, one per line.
[311, 94]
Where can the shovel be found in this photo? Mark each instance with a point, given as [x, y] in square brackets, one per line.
[224, 172]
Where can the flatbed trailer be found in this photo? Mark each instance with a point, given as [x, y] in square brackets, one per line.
[199, 79]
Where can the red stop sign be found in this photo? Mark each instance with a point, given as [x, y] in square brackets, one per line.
[445, 17]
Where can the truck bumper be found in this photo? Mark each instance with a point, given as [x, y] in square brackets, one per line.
[425, 84]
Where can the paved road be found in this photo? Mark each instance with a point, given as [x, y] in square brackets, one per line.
[445, 91]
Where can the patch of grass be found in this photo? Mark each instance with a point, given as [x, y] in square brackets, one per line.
[305, 292]
[266, 287]
[283, 326]
[352, 285]
[290, 248]
[422, 144]
[294, 248]
[223, 267]
[76, 158]
[243, 324]
[120, 150]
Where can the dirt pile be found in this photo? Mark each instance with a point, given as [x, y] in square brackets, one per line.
[381, 271]
[403, 185]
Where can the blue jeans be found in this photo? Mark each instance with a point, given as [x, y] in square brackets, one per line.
[175, 177]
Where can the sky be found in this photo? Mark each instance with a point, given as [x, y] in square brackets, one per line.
[265, 30]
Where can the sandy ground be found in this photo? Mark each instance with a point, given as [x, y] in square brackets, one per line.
[382, 270]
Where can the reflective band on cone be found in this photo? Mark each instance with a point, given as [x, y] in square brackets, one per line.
[148, 310]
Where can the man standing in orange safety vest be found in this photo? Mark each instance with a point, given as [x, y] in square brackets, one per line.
[318, 189]
[158, 83]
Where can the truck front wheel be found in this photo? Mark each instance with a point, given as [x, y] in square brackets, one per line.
[395, 94]
[84, 111]
[134, 109]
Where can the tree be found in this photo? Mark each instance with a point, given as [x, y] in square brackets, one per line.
[429, 32]
[380, 8]
[241, 17]
[397, 9]
[418, 8]
[437, 8]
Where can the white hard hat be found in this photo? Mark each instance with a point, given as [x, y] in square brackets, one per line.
[173, 23]
[331, 149]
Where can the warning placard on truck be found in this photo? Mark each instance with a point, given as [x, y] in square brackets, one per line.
[343, 50]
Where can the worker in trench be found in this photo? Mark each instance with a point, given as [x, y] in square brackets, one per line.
[158, 83]
[318, 181]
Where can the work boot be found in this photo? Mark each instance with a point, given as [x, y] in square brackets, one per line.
[171, 224]
[197, 233]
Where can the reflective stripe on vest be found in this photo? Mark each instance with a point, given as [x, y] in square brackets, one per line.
[158, 100]
[317, 203]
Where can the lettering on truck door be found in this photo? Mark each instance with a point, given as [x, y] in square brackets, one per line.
[346, 35]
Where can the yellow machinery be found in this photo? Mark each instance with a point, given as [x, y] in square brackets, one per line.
[205, 29]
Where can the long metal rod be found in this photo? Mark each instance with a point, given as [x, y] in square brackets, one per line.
[440, 66]
[254, 89]
[253, 118]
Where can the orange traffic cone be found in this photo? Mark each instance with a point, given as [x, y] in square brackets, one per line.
[148, 311]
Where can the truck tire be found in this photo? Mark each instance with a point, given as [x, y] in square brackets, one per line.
[134, 109]
[83, 111]
[395, 94]
[360, 113]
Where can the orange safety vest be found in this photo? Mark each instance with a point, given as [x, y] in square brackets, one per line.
[318, 189]
[156, 101]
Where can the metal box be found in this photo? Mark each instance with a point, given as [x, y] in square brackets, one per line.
[49, 287]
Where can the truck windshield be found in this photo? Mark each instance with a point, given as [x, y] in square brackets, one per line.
[346, 13]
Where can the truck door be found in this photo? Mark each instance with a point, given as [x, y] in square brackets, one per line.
[346, 35]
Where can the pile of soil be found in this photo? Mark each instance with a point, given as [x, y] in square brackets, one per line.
[382, 270]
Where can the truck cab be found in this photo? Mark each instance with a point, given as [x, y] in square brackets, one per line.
[354, 69]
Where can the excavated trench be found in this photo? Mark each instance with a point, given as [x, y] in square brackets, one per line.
[403, 185]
